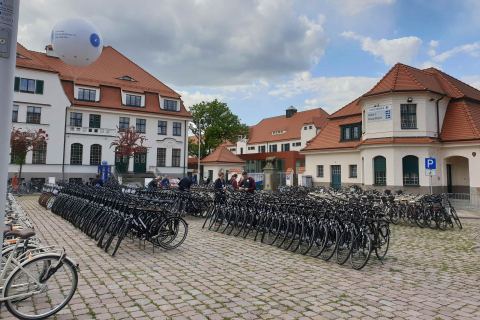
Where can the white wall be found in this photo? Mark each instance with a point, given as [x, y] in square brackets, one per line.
[344, 159]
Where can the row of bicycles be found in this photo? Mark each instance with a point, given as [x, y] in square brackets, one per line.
[109, 215]
[324, 226]
[36, 281]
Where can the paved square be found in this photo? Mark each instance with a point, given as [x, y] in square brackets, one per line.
[428, 275]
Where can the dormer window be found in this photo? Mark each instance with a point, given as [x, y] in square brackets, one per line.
[127, 78]
[350, 132]
[277, 132]
[87, 94]
[132, 100]
[170, 105]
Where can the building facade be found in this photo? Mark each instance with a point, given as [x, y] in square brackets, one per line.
[83, 109]
[381, 139]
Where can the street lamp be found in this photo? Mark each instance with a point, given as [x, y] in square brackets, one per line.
[199, 148]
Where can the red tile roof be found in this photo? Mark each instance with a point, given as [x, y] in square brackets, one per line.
[353, 108]
[105, 73]
[222, 155]
[400, 140]
[462, 121]
[453, 87]
[405, 78]
[262, 131]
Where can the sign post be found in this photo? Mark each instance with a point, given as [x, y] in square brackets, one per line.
[8, 47]
[430, 168]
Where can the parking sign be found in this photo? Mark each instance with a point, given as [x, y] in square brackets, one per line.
[430, 163]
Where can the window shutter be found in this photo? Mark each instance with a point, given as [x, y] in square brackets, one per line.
[17, 84]
[39, 87]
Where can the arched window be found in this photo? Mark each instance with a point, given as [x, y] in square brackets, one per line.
[95, 154]
[380, 171]
[76, 153]
[410, 171]
[39, 153]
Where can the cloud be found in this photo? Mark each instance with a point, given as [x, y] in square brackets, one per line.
[354, 7]
[473, 80]
[390, 51]
[193, 42]
[330, 93]
[191, 98]
[472, 49]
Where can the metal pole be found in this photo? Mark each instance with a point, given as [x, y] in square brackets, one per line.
[9, 10]
[199, 154]
[431, 189]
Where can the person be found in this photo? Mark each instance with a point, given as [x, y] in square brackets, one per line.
[247, 183]
[207, 182]
[15, 183]
[185, 184]
[153, 185]
[234, 182]
[165, 183]
[97, 182]
[219, 187]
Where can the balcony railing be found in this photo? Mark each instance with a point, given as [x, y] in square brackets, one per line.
[92, 131]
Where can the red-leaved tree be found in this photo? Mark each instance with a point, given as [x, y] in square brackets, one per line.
[24, 141]
[129, 142]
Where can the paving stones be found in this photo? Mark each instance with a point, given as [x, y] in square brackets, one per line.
[428, 275]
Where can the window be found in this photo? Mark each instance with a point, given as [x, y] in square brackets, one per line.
[351, 132]
[34, 114]
[94, 121]
[305, 128]
[170, 105]
[161, 157]
[408, 113]
[296, 144]
[352, 170]
[175, 157]
[75, 119]
[124, 123]
[285, 146]
[410, 171]
[28, 85]
[133, 100]
[15, 113]
[162, 127]
[39, 153]
[233, 149]
[87, 94]
[272, 148]
[251, 148]
[310, 127]
[95, 154]
[177, 128]
[13, 156]
[319, 171]
[380, 171]
[76, 153]
[261, 149]
[141, 125]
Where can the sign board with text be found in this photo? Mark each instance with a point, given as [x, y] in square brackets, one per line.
[379, 113]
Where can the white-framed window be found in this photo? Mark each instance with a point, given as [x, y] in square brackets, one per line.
[15, 113]
[34, 114]
[177, 128]
[251, 148]
[170, 105]
[319, 171]
[133, 100]
[176, 157]
[123, 123]
[296, 144]
[352, 169]
[162, 127]
[141, 125]
[87, 94]
[76, 119]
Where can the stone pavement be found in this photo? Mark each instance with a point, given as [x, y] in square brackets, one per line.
[428, 275]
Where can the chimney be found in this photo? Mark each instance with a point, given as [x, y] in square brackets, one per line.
[49, 51]
[291, 111]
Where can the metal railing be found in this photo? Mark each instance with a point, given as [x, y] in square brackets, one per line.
[88, 130]
[465, 200]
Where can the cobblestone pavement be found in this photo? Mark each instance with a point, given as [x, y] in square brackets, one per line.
[428, 275]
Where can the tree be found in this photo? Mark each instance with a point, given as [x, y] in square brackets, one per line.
[217, 125]
[22, 142]
[129, 142]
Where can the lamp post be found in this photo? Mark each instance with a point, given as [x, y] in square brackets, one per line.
[9, 10]
[199, 149]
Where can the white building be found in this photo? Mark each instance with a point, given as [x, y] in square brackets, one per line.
[81, 109]
[382, 138]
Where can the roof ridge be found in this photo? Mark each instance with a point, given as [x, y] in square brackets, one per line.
[442, 75]
[471, 121]
[407, 70]
[392, 69]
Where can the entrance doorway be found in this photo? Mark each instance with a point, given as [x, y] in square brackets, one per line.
[140, 162]
[336, 176]
[121, 163]
[449, 179]
[379, 171]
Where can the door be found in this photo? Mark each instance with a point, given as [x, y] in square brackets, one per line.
[140, 163]
[336, 176]
[121, 163]
[380, 171]
[449, 178]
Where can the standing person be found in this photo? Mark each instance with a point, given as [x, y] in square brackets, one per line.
[207, 182]
[165, 183]
[219, 187]
[247, 183]
[98, 182]
[185, 184]
[234, 182]
[153, 185]
[15, 183]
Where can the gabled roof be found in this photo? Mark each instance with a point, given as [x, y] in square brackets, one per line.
[222, 155]
[453, 87]
[402, 78]
[353, 108]
[462, 121]
[290, 127]
[27, 59]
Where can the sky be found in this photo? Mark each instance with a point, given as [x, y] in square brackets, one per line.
[262, 56]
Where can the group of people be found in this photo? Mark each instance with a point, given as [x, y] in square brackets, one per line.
[159, 183]
[246, 183]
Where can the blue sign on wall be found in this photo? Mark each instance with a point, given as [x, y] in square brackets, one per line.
[430, 163]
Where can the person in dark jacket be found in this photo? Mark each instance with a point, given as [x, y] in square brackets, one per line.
[247, 183]
[185, 184]
[165, 183]
[153, 185]
[219, 187]
[98, 182]
[234, 182]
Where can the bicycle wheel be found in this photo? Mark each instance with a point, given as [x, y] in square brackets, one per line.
[330, 243]
[38, 296]
[360, 250]
[271, 231]
[172, 233]
[383, 240]
[456, 219]
[344, 245]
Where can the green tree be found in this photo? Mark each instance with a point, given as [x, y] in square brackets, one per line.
[24, 141]
[216, 123]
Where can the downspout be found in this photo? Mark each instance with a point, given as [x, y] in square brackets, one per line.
[438, 115]
[64, 144]
[185, 146]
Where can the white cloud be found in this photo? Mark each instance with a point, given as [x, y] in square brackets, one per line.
[354, 7]
[472, 49]
[390, 51]
[432, 48]
[330, 93]
[473, 80]
[191, 98]
[192, 42]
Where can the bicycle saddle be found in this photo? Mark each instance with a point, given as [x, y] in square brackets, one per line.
[22, 234]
